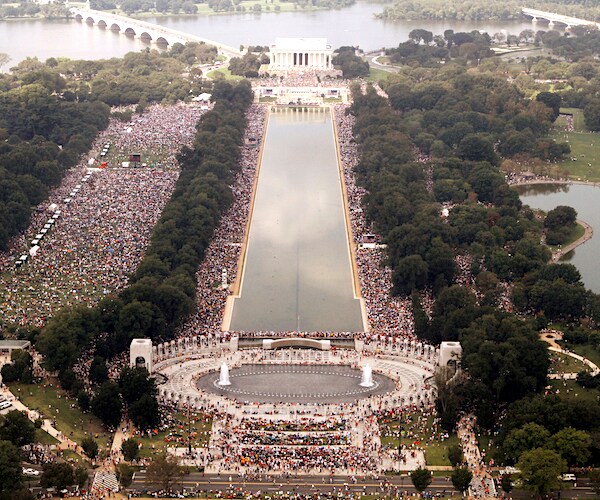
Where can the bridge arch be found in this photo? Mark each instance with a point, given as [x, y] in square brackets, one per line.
[101, 24]
[115, 27]
[89, 20]
[145, 36]
[129, 31]
[161, 40]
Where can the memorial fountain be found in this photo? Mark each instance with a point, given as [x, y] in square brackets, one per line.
[224, 376]
[367, 377]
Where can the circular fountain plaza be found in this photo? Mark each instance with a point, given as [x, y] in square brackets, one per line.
[323, 396]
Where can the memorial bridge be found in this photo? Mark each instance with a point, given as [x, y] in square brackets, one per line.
[149, 32]
[552, 18]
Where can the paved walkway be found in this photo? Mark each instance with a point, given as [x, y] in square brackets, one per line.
[64, 442]
[482, 484]
[587, 234]
[551, 337]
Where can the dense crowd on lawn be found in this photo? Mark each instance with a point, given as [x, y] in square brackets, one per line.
[102, 233]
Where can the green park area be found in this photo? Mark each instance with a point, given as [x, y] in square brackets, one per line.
[561, 363]
[416, 430]
[53, 403]
[577, 232]
[584, 161]
[178, 434]
[570, 390]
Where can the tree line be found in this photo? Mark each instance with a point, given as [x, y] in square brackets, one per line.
[162, 292]
[51, 112]
[467, 124]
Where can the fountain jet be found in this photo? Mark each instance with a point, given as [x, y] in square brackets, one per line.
[367, 377]
[224, 377]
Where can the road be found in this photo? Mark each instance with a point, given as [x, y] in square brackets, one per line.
[388, 485]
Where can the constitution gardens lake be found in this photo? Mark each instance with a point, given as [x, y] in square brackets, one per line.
[584, 199]
[297, 270]
[354, 25]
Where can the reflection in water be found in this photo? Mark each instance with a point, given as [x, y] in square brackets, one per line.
[297, 275]
[584, 199]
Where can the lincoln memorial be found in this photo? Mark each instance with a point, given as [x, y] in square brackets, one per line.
[300, 53]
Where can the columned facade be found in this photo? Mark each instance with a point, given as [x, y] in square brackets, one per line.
[300, 53]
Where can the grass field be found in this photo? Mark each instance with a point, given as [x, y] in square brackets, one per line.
[376, 75]
[584, 162]
[577, 232]
[561, 363]
[245, 6]
[177, 435]
[226, 74]
[436, 451]
[569, 389]
[64, 411]
[587, 351]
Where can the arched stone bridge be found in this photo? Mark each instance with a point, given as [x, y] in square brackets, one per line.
[552, 18]
[146, 31]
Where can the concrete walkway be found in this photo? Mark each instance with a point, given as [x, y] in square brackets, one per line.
[551, 337]
[587, 235]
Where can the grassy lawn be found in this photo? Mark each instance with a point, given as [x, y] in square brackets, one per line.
[177, 435]
[436, 450]
[54, 404]
[561, 363]
[246, 6]
[587, 351]
[569, 389]
[577, 232]
[584, 163]
[43, 437]
[376, 74]
[225, 74]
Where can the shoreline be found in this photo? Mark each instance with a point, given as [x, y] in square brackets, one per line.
[348, 223]
[236, 290]
[588, 232]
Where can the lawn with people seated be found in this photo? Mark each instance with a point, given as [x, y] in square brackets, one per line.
[561, 363]
[584, 161]
[55, 404]
[419, 431]
[177, 434]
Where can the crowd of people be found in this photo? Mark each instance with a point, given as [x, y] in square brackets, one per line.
[103, 230]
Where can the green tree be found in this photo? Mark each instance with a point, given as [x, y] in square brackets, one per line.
[81, 476]
[144, 412]
[10, 467]
[124, 475]
[90, 447]
[540, 470]
[572, 445]
[461, 478]
[164, 471]
[130, 449]
[528, 437]
[421, 479]
[17, 428]
[107, 404]
[58, 475]
[455, 455]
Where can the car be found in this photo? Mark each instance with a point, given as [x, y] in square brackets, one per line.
[31, 472]
[568, 477]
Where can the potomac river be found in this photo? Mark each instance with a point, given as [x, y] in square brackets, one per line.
[354, 25]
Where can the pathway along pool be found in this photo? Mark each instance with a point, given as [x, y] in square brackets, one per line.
[297, 273]
[584, 199]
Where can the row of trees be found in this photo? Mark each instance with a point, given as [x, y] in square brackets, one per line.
[475, 10]
[51, 112]
[162, 291]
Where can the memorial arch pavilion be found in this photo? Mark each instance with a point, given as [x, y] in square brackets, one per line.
[300, 53]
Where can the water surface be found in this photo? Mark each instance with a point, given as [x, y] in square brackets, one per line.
[584, 199]
[298, 275]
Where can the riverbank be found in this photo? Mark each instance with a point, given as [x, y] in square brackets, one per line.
[588, 232]
[561, 252]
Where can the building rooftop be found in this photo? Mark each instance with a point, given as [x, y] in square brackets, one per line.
[14, 344]
[299, 44]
